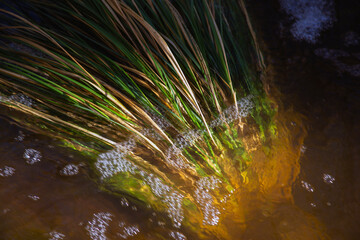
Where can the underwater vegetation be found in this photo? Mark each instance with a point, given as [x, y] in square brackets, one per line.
[165, 97]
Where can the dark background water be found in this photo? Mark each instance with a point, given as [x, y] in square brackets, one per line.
[327, 92]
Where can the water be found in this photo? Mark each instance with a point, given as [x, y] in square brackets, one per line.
[55, 199]
[47, 193]
[307, 189]
[321, 82]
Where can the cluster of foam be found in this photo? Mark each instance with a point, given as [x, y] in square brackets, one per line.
[97, 226]
[127, 231]
[22, 98]
[7, 171]
[310, 17]
[233, 113]
[114, 161]
[124, 202]
[160, 121]
[336, 55]
[174, 153]
[20, 137]
[56, 236]
[32, 156]
[328, 179]
[308, 187]
[69, 170]
[169, 196]
[205, 199]
[177, 235]
[189, 138]
[33, 197]
[303, 149]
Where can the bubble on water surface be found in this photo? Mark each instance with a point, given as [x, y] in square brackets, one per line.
[33, 197]
[97, 226]
[328, 179]
[303, 149]
[124, 202]
[307, 186]
[32, 156]
[69, 170]
[6, 210]
[7, 171]
[56, 236]
[190, 137]
[177, 235]
[127, 231]
[170, 197]
[205, 199]
[113, 161]
[20, 137]
[23, 99]
[310, 17]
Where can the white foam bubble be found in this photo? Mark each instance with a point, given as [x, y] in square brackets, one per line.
[127, 231]
[7, 171]
[20, 137]
[69, 170]
[308, 187]
[177, 235]
[32, 156]
[113, 161]
[328, 179]
[5, 210]
[169, 196]
[23, 99]
[34, 197]
[189, 138]
[124, 202]
[96, 228]
[56, 236]
[202, 195]
[303, 149]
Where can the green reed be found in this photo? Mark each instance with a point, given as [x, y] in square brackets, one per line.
[157, 91]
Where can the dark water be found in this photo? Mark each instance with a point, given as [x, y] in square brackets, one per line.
[308, 189]
[321, 81]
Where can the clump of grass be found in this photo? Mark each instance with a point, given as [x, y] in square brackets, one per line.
[157, 90]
